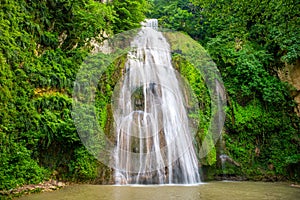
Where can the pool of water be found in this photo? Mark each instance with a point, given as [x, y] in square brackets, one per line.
[207, 191]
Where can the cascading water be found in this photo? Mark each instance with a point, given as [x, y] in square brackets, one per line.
[151, 23]
[153, 137]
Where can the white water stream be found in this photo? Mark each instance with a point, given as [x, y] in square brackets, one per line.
[153, 137]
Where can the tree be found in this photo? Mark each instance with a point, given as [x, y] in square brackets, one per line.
[128, 14]
[43, 44]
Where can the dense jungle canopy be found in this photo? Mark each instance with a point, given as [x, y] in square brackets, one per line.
[43, 44]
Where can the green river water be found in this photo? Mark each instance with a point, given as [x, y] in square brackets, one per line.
[206, 191]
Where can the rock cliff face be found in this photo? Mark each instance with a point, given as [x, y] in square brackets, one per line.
[291, 74]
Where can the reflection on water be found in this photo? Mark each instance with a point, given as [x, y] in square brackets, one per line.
[207, 191]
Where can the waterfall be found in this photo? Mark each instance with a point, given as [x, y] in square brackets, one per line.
[154, 142]
[151, 23]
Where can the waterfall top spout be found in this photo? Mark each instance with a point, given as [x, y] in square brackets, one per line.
[150, 23]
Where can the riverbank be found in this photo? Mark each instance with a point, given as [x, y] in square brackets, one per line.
[46, 186]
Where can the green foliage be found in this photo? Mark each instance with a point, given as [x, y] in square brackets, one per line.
[43, 44]
[108, 82]
[84, 166]
[262, 137]
[178, 15]
[271, 24]
[17, 166]
[245, 72]
[128, 14]
[249, 41]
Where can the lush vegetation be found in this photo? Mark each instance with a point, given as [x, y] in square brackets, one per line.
[43, 44]
[249, 41]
